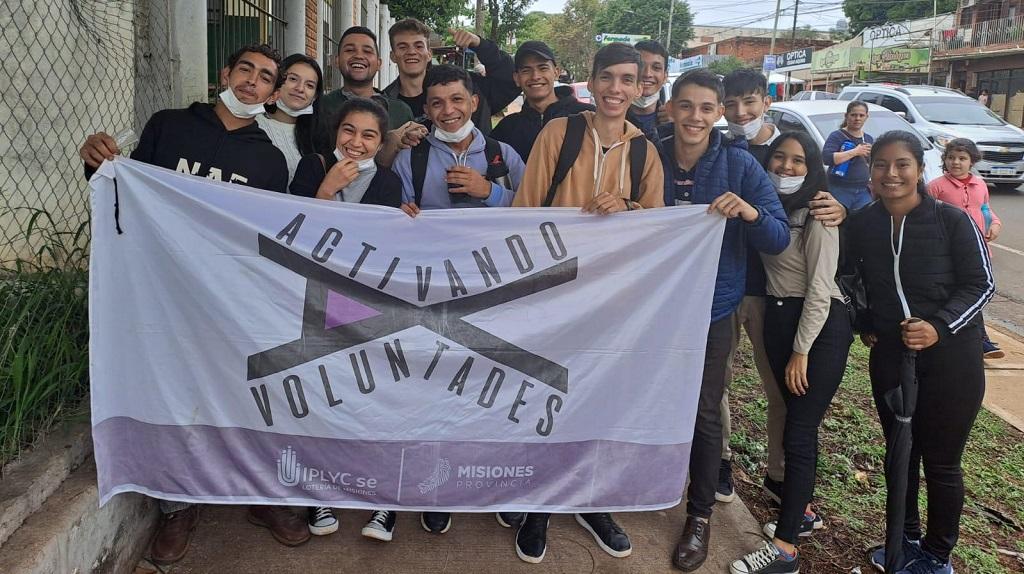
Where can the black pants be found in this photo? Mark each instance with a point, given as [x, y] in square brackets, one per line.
[951, 385]
[706, 452]
[826, 363]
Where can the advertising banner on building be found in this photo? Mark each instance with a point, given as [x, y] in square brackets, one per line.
[254, 347]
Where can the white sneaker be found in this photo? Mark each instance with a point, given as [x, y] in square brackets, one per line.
[321, 521]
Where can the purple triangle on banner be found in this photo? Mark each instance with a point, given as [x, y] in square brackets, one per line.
[341, 310]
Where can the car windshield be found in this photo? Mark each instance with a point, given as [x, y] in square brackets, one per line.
[878, 123]
[956, 111]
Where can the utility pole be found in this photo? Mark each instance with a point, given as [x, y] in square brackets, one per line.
[792, 42]
[668, 35]
[931, 39]
[775, 32]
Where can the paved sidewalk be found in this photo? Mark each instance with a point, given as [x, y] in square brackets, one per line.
[1004, 378]
[225, 542]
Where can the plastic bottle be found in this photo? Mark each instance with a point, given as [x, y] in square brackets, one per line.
[986, 213]
[841, 169]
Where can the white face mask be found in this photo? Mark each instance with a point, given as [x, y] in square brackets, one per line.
[786, 185]
[362, 165]
[646, 101]
[239, 109]
[748, 130]
[456, 136]
[294, 113]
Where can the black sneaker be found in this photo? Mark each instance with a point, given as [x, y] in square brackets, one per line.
[765, 560]
[381, 525]
[321, 521]
[773, 489]
[911, 552]
[725, 491]
[532, 537]
[510, 519]
[609, 536]
[436, 522]
[807, 526]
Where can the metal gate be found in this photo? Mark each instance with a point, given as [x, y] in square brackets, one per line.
[231, 24]
[329, 49]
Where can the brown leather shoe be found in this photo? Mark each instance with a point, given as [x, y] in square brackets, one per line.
[173, 535]
[692, 550]
[285, 525]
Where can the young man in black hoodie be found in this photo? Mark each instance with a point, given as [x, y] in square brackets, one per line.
[536, 73]
[410, 49]
[221, 142]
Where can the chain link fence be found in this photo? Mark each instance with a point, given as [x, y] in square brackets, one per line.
[73, 67]
[70, 68]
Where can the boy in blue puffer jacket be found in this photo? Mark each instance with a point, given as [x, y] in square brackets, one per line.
[702, 168]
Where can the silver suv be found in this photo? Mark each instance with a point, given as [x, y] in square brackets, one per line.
[942, 114]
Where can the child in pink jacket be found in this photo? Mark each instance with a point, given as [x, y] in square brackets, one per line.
[959, 187]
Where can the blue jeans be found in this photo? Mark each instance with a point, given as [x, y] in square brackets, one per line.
[851, 195]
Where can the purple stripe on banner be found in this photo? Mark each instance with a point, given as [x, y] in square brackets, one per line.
[229, 465]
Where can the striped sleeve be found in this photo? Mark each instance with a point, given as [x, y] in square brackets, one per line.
[975, 283]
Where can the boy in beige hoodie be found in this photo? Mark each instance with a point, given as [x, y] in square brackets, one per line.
[599, 180]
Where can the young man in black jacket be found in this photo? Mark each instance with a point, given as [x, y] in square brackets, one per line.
[536, 73]
[220, 142]
[647, 112]
[410, 49]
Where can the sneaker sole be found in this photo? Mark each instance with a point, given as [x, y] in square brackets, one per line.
[610, 551]
[497, 516]
[725, 497]
[323, 530]
[375, 534]
[995, 354]
[531, 559]
[442, 531]
[735, 571]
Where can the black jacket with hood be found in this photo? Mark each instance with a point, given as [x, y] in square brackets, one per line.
[943, 264]
[496, 90]
[521, 129]
[194, 140]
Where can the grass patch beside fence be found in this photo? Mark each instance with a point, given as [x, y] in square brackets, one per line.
[850, 492]
[44, 334]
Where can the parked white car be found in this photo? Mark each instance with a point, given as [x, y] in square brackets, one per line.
[819, 118]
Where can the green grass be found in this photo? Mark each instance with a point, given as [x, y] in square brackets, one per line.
[850, 491]
[44, 335]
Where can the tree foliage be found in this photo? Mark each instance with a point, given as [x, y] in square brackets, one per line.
[726, 65]
[867, 13]
[572, 36]
[504, 19]
[437, 14]
[643, 17]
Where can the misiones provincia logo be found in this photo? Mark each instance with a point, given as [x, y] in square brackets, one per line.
[477, 476]
[292, 473]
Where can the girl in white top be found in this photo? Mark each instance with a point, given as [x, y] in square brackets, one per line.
[290, 119]
[807, 337]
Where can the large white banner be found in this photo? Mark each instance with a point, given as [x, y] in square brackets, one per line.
[256, 347]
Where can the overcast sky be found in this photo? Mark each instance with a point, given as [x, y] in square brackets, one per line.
[819, 14]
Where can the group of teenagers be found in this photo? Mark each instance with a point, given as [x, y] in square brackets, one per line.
[425, 142]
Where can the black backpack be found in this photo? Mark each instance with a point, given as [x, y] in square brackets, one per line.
[573, 142]
[496, 167]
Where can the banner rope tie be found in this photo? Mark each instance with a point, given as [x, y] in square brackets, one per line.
[117, 210]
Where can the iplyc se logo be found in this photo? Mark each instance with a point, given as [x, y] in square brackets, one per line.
[288, 468]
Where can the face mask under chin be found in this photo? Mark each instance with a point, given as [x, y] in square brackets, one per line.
[748, 130]
[644, 102]
[238, 108]
[456, 136]
[294, 113]
[362, 165]
[785, 184]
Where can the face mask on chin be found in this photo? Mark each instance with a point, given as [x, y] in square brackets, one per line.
[238, 108]
[294, 113]
[748, 130]
[362, 165]
[786, 185]
[644, 102]
[456, 136]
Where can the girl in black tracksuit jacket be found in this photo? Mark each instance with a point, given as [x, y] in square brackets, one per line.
[926, 259]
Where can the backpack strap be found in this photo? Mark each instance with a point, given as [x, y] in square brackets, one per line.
[420, 155]
[637, 159]
[571, 146]
[497, 169]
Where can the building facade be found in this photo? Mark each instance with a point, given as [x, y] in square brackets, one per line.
[985, 51]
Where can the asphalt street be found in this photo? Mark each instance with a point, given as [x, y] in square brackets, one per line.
[1007, 307]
